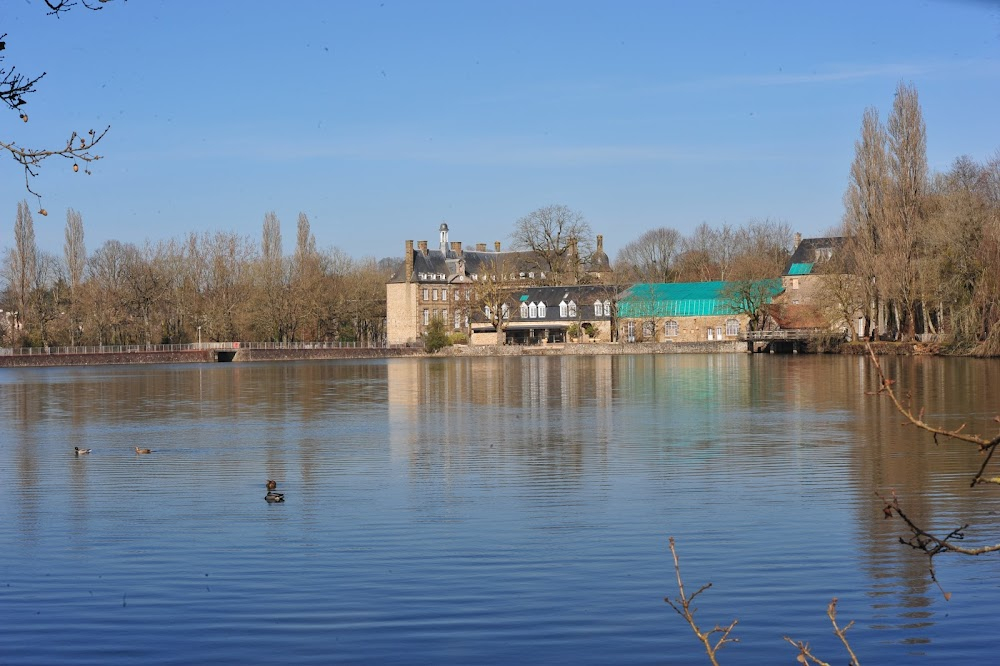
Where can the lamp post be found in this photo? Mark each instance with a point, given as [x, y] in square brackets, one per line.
[199, 337]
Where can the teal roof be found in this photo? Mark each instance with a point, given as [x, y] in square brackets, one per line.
[800, 269]
[681, 299]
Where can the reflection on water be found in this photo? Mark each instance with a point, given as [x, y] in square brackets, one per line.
[485, 510]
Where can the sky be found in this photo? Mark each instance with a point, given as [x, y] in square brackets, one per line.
[382, 119]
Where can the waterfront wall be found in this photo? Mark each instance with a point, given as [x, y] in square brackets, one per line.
[599, 348]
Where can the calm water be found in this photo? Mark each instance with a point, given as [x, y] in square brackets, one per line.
[485, 511]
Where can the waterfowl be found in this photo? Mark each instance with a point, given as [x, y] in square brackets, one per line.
[80, 451]
[272, 496]
[138, 450]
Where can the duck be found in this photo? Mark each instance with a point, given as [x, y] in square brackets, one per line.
[138, 450]
[80, 451]
[272, 496]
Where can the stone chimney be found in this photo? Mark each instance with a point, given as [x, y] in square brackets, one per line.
[480, 247]
[409, 260]
[422, 246]
[600, 244]
[496, 246]
[456, 248]
[797, 241]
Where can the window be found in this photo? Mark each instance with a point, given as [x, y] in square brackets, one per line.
[718, 332]
[422, 276]
[444, 315]
[541, 309]
[427, 316]
[671, 329]
[505, 311]
[572, 308]
[533, 310]
[598, 308]
[630, 331]
[648, 330]
[732, 327]
[458, 294]
[458, 319]
[795, 283]
[531, 274]
[524, 310]
[427, 294]
[607, 308]
[434, 295]
[444, 294]
[489, 315]
[563, 309]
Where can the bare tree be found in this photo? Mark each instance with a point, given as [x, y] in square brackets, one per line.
[22, 265]
[865, 216]
[75, 255]
[493, 294]
[15, 88]
[560, 238]
[651, 257]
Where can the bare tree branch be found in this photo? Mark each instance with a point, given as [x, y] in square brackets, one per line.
[805, 654]
[921, 539]
[682, 605]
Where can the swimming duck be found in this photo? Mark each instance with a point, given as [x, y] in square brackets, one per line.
[138, 450]
[80, 451]
[272, 496]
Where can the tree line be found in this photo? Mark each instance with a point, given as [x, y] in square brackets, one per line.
[216, 286]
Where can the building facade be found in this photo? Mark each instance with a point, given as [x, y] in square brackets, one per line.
[442, 283]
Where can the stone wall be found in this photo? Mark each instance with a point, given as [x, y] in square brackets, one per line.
[596, 348]
[125, 358]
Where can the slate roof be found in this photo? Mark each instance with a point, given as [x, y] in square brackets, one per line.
[681, 299]
[435, 263]
[812, 251]
[583, 295]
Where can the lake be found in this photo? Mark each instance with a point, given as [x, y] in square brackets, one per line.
[488, 510]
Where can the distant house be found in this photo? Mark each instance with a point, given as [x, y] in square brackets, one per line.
[684, 312]
[549, 314]
[802, 278]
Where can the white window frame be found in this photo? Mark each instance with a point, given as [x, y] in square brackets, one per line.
[524, 310]
[563, 309]
[572, 308]
[607, 308]
[541, 309]
[671, 328]
[427, 317]
[533, 311]
[732, 327]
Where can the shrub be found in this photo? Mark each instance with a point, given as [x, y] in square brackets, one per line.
[436, 337]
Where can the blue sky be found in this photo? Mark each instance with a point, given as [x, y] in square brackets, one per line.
[381, 119]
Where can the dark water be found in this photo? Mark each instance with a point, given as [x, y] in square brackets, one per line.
[486, 511]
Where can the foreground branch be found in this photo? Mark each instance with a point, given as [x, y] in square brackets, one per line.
[682, 606]
[805, 654]
[920, 539]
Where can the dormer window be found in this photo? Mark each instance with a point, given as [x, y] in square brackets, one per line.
[541, 310]
[524, 310]
[572, 308]
[533, 311]
[598, 308]
[563, 309]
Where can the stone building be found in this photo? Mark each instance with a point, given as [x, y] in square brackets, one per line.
[543, 315]
[682, 312]
[440, 282]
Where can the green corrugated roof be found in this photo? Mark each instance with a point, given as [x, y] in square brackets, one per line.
[680, 299]
[800, 269]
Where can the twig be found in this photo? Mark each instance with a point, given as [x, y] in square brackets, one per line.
[805, 654]
[682, 606]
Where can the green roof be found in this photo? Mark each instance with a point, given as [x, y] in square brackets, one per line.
[681, 299]
[800, 269]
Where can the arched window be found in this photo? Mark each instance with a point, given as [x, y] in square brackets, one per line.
[563, 309]
[572, 308]
[732, 327]
[524, 310]
[648, 330]
[541, 310]
[670, 329]
[533, 310]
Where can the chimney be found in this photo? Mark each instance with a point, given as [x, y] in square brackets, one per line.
[798, 241]
[422, 246]
[480, 247]
[600, 244]
[572, 248]
[496, 246]
[409, 260]
[456, 248]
